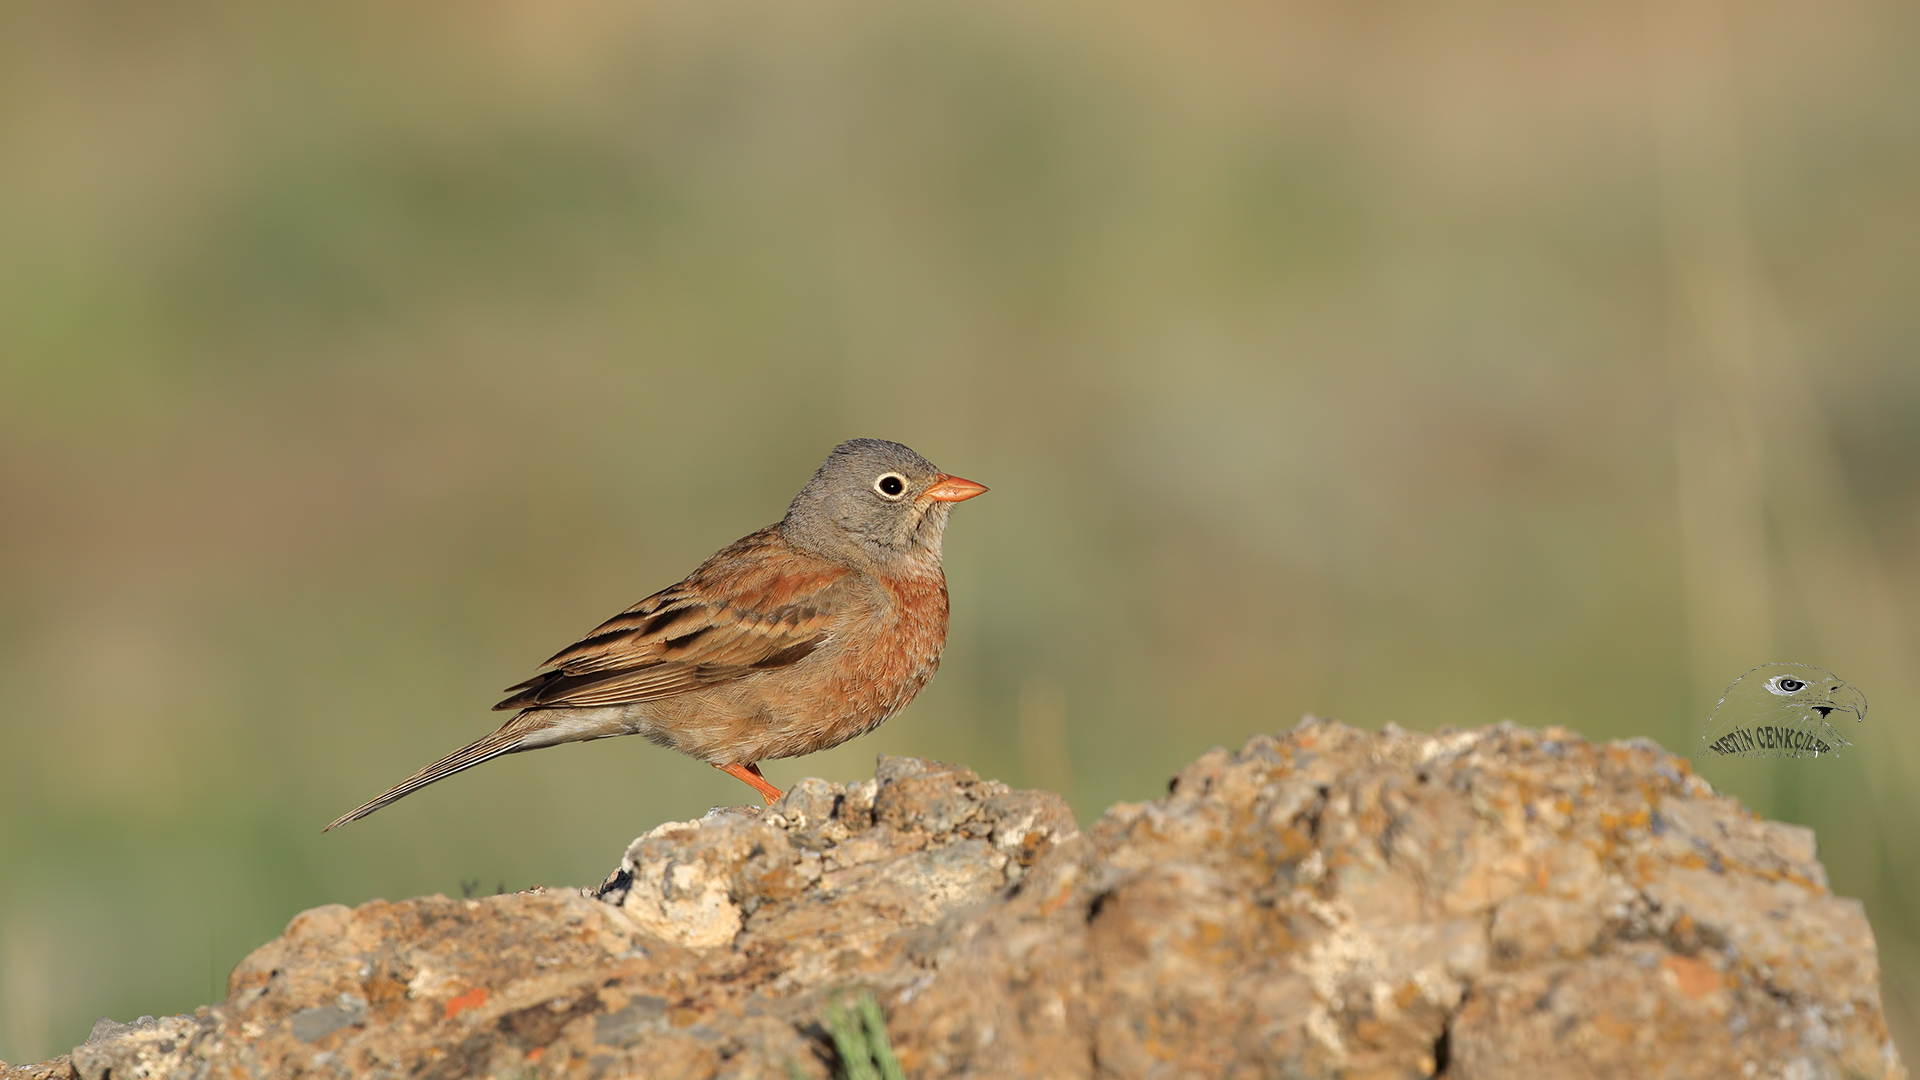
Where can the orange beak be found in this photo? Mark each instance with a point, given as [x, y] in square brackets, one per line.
[954, 489]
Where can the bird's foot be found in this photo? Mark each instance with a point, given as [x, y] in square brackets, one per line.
[749, 774]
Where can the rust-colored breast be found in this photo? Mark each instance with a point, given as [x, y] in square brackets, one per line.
[896, 673]
[883, 657]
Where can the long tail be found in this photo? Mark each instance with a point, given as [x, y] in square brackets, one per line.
[512, 737]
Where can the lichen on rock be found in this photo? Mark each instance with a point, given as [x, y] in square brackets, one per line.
[1324, 903]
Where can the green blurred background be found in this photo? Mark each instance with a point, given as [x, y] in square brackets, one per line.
[1433, 363]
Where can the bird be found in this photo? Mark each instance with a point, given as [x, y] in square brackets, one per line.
[792, 639]
[1781, 710]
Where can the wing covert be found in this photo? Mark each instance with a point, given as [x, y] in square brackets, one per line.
[755, 605]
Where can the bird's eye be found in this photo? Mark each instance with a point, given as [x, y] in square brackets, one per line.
[1785, 684]
[890, 486]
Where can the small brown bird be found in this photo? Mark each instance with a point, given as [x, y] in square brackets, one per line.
[789, 640]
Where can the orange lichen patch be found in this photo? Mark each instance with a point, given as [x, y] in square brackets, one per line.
[1639, 819]
[1372, 1032]
[1684, 936]
[1290, 844]
[1764, 873]
[1612, 1026]
[1059, 899]
[1805, 882]
[472, 999]
[1768, 873]
[1646, 868]
[1696, 978]
[385, 994]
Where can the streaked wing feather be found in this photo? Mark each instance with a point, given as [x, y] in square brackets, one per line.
[611, 643]
[756, 604]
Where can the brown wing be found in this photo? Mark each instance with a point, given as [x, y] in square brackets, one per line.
[757, 604]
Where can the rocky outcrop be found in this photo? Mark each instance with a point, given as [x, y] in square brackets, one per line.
[1325, 903]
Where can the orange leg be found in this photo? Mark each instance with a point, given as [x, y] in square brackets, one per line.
[749, 774]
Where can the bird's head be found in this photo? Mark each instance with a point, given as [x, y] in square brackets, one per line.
[877, 501]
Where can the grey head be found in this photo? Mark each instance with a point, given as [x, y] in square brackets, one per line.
[874, 501]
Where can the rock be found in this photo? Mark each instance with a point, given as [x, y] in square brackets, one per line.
[146, 1047]
[1326, 903]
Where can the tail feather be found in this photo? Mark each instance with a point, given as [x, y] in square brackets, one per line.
[504, 741]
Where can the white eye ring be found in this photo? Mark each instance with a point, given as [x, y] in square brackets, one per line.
[890, 491]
